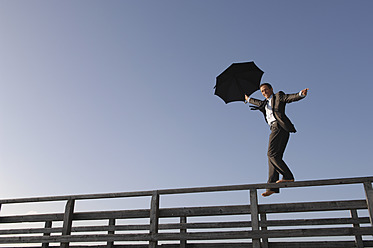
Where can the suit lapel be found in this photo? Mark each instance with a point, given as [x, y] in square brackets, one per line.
[273, 101]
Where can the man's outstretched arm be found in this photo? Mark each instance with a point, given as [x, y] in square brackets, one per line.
[288, 98]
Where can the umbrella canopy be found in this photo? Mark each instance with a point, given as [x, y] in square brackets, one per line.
[237, 80]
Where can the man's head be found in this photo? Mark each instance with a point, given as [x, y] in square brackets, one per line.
[266, 90]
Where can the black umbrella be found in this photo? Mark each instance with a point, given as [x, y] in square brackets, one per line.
[237, 80]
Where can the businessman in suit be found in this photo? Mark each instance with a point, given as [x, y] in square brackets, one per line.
[273, 108]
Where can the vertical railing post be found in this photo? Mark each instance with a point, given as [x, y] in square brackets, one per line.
[154, 219]
[183, 230]
[111, 231]
[67, 221]
[254, 216]
[263, 226]
[47, 225]
[356, 225]
[369, 199]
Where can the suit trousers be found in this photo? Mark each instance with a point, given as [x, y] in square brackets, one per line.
[278, 140]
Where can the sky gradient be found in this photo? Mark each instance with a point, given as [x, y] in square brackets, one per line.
[113, 96]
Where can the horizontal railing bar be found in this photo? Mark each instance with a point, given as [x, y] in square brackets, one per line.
[75, 238]
[287, 223]
[207, 225]
[100, 215]
[310, 244]
[199, 225]
[204, 211]
[307, 244]
[323, 182]
[265, 208]
[194, 211]
[78, 197]
[141, 227]
[120, 214]
[312, 206]
[317, 222]
[316, 232]
[30, 230]
[298, 244]
[31, 218]
[286, 233]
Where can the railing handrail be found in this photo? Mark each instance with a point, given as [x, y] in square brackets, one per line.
[256, 229]
[307, 183]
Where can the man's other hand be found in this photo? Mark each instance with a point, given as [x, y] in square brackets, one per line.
[304, 92]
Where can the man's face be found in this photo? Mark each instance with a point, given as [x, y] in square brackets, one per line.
[266, 91]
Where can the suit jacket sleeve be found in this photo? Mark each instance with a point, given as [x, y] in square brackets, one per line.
[288, 98]
[256, 102]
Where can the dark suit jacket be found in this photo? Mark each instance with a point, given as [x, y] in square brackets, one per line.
[279, 100]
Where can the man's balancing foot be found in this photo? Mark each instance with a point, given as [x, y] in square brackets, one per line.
[285, 181]
[268, 193]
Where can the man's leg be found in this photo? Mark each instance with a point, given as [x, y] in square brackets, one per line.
[282, 168]
[273, 175]
[278, 140]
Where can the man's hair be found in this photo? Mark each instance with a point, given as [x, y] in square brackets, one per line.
[267, 84]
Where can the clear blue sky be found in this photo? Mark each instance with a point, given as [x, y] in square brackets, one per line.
[112, 96]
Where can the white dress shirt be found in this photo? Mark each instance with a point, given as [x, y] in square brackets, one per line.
[269, 113]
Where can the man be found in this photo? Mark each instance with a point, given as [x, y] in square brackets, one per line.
[273, 109]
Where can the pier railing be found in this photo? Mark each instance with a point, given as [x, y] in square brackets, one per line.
[257, 231]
